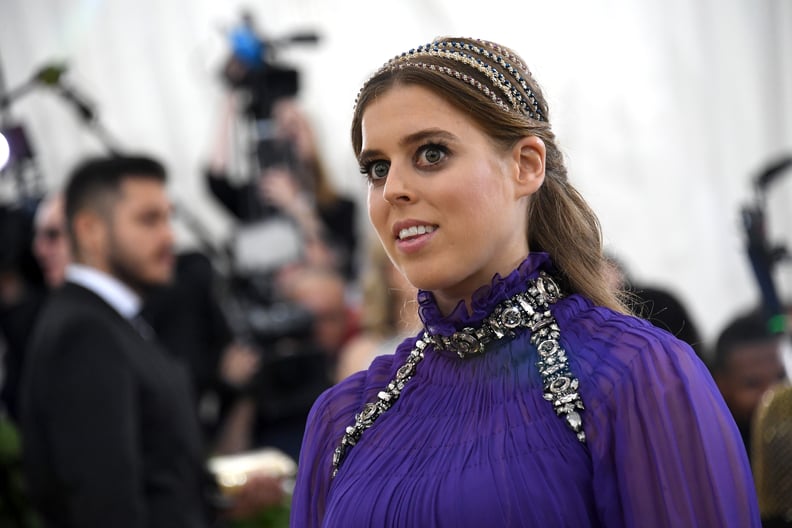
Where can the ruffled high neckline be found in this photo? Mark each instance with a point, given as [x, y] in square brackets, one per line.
[484, 299]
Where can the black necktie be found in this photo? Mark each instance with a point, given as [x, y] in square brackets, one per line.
[143, 327]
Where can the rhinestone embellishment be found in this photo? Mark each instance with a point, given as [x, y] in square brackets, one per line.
[469, 54]
[530, 309]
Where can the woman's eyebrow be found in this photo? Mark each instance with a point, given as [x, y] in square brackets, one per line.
[410, 139]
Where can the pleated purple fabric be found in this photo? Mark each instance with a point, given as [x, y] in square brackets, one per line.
[472, 442]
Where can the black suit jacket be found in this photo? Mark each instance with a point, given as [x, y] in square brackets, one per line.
[109, 428]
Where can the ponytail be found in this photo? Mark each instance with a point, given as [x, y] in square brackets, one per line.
[561, 223]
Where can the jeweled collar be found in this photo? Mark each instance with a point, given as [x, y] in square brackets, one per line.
[484, 300]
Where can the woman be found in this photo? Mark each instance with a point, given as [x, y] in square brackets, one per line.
[517, 404]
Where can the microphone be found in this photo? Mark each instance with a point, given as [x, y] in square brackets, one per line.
[771, 455]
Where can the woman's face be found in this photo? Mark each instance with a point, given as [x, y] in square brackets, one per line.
[449, 207]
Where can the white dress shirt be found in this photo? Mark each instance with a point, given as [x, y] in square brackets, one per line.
[113, 291]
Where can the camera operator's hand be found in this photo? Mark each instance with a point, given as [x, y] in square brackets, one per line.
[292, 125]
[239, 364]
[279, 187]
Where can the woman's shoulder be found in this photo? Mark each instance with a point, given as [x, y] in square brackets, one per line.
[598, 331]
[610, 349]
[655, 421]
[339, 403]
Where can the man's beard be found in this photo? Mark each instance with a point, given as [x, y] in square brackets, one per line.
[129, 274]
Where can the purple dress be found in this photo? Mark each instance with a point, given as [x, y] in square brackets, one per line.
[472, 442]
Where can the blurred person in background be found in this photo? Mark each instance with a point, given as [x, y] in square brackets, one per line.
[387, 313]
[50, 248]
[187, 318]
[293, 181]
[185, 314]
[22, 292]
[50, 243]
[746, 363]
[297, 364]
[22, 302]
[323, 292]
[109, 428]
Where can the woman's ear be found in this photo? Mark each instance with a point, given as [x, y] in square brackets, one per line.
[529, 155]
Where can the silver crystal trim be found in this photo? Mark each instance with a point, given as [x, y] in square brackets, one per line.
[529, 310]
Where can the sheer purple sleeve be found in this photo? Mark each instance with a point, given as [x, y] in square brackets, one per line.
[313, 469]
[665, 449]
[332, 412]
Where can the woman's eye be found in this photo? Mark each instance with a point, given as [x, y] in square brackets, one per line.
[432, 154]
[376, 170]
[380, 169]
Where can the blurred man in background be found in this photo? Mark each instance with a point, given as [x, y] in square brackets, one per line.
[109, 429]
[50, 244]
[747, 362]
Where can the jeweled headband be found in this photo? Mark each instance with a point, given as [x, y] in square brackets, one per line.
[505, 92]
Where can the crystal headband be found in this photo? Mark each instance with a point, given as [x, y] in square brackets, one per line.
[506, 53]
[497, 78]
[534, 104]
[457, 51]
[461, 76]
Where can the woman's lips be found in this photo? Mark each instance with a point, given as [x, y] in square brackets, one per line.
[415, 242]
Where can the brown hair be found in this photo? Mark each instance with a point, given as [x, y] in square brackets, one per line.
[303, 136]
[384, 310]
[323, 190]
[483, 80]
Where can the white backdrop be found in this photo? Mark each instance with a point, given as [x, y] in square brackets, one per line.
[666, 109]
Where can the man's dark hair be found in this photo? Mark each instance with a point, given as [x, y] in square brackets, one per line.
[96, 182]
[749, 327]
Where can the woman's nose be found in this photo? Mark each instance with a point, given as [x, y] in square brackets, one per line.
[398, 186]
